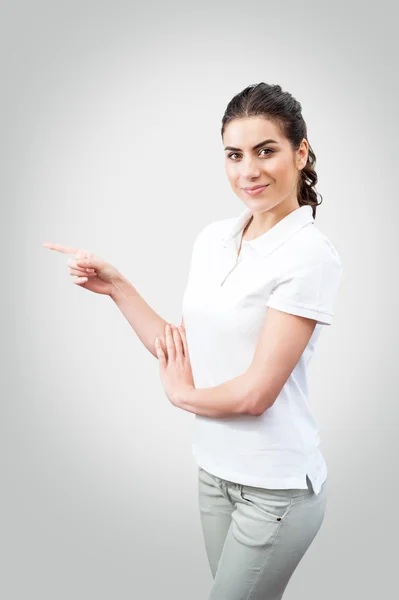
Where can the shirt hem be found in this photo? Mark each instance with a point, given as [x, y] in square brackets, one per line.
[298, 483]
[301, 311]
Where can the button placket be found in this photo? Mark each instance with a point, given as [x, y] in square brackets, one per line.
[229, 272]
[232, 246]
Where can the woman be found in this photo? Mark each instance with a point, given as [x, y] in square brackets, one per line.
[260, 287]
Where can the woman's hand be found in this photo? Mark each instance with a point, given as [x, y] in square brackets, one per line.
[88, 270]
[175, 369]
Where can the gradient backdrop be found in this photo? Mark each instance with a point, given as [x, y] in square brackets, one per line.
[110, 141]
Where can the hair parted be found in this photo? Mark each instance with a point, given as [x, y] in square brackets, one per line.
[269, 101]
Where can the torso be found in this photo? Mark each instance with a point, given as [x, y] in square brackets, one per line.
[224, 308]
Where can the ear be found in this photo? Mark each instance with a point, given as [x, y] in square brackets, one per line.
[302, 154]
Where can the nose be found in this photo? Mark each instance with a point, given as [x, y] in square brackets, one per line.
[249, 169]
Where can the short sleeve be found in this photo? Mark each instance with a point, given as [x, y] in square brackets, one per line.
[310, 289]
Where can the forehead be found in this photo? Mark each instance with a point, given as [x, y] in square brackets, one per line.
[245, 132]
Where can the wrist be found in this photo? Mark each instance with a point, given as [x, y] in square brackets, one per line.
[121, 288]
[185, 397]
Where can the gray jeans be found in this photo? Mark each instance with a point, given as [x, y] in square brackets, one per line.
[255, 537]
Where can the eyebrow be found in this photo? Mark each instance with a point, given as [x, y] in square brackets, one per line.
[255, 147]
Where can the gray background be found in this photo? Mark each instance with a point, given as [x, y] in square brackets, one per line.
[110, 119]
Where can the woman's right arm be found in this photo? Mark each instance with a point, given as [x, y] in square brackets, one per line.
[142, 318]
[94, 274]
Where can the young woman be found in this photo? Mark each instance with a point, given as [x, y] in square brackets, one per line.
[260, 287]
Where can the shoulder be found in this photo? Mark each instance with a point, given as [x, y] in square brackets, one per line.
[311, 246]
[215, 230]
[328, 248]
[308, 258]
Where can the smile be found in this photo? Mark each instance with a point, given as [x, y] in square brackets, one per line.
[256, 191]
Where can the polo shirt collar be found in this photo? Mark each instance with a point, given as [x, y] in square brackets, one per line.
[274, 237]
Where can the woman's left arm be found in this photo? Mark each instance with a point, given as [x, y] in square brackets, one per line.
[283, 339]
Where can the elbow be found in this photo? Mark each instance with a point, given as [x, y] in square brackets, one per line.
[258, 403]
[259, 394]
[263, 391]
[260, 407]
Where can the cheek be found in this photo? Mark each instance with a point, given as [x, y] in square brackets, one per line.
[281, 171]
[232, 173]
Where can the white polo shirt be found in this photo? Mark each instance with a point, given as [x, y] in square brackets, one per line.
[294, 268]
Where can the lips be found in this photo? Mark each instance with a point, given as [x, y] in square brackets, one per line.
[256, 191]
[256, 187]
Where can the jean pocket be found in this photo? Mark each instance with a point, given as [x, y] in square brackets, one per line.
[272, 503]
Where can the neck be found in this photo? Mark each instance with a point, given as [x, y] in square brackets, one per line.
[261, 222]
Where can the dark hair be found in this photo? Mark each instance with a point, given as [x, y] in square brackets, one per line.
[270, 102]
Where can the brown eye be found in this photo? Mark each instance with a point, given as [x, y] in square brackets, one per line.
[270, 150]
[267, 150]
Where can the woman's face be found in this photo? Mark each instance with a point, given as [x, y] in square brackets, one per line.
[252, 160]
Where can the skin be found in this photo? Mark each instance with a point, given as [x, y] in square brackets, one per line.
[174, 366]
[87, 270]
[274, 164]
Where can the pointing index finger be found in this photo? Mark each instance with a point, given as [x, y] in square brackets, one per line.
[61, 248]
